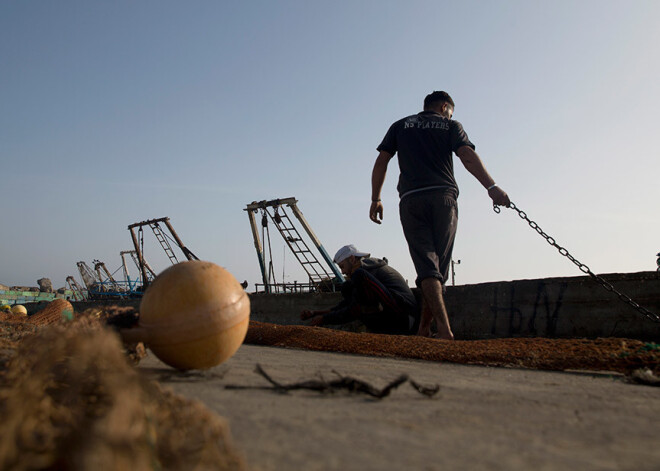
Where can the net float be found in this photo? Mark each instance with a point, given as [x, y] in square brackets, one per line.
[194, 315]
[19, 310]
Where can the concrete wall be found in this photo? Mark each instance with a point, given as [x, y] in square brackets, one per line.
[11, 297]
[549, 307]
[556, 307]
[285, 308]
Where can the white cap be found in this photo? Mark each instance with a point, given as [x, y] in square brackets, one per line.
[346, 251]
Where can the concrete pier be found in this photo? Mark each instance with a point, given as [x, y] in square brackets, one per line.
[482, 418]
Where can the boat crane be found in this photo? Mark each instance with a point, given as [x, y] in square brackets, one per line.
[105, 277]
[88, 277]
[75, 288]
[164, 241]
[321, 276]
[135, 285]
[99, 282]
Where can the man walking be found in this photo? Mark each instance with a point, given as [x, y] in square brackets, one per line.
[428, 191]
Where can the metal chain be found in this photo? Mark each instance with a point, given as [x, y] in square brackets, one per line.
[583, 268]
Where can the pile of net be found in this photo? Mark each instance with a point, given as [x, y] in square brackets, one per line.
[609, 354]
[70, 399]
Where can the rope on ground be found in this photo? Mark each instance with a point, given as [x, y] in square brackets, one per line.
[346, 383]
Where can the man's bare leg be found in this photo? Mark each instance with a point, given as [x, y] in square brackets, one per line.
[425, 321]
[432, 291]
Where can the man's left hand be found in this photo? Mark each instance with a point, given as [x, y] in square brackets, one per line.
[376, 212]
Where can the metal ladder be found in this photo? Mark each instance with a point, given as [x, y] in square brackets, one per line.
[164, 243]
[313, 267]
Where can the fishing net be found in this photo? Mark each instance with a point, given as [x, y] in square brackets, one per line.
[69, 399]
[609, 354]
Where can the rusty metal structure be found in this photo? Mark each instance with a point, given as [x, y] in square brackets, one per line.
[322, 273]
[135, 284]
[97, 288]
[75, 288]
[88, 276]
[165, 241]
[106, 278]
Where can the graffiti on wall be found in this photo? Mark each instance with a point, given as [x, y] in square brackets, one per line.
[514, 317]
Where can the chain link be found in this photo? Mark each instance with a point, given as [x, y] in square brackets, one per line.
[583, 268]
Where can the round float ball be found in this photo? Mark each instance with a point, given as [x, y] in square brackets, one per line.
[194, 315]
[19, 310]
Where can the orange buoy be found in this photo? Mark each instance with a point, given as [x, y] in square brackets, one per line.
[194, 315]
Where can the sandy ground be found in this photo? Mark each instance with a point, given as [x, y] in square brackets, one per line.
[482, 418]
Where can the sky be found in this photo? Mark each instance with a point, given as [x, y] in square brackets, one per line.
[112, 113]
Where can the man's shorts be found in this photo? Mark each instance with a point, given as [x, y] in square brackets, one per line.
[429, 220]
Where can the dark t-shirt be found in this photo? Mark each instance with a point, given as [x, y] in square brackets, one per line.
[425, 143]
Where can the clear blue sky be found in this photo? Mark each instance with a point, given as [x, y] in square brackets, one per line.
[116, 112]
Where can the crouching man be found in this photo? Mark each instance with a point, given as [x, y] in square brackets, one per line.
[374, 293]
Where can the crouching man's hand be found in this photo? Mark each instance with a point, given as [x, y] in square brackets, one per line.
[306, 314]
[315, 316]
[316, 321]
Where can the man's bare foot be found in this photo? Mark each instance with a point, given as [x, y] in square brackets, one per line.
[444, 334]
[449, 336]
[424, 332]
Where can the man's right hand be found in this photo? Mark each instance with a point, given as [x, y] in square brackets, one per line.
[376, 212]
